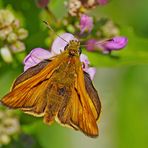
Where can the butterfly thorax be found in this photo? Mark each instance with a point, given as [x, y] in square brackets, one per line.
[73, 48]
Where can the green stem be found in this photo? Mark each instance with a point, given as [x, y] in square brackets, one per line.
[51, 14]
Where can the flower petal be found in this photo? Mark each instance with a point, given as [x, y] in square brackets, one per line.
[91, 71]
[102, 2]
[84, 59]
[106, 46]
[36, 56]
[91, 44]
[115, 43]
[59, 44]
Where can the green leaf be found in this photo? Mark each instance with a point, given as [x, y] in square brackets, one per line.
[132, 108]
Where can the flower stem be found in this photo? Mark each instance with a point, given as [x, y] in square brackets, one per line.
[51, 14]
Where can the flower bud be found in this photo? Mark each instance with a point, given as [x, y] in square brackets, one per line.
[17, 46]
[4, 139]
[106, 46]
[110, 29]
[12, 37]
[86, 23]
[6, 18]
[42, 3]
[6, 54]
[102, 2]
[22, 33]
[16, 24]
[4, 32]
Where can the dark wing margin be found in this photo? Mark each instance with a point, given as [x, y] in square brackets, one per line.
[30, 72]
[92, 93]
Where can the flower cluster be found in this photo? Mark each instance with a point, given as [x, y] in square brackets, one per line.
[9, 126]
[78, 7]
[101, 34]
[11, 35]
[97, 34]
[104, 45]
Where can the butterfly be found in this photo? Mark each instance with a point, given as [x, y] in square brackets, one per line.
[58, 89]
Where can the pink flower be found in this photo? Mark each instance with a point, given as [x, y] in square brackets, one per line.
[115, 43]
[90, 70]
[59, 44]
[42, 3]
[107, 46]
[86, 23]
[39, 54]
[36, 56]
[91, 44]
[102, 2]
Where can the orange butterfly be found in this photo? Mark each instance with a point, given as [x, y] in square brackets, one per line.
[58, 89]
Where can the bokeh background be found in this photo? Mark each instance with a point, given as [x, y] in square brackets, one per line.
[122, 83]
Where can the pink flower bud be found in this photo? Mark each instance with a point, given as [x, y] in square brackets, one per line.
[102, 2]
[115, 43]
[86, 23]
[42, 3]
[106, 46]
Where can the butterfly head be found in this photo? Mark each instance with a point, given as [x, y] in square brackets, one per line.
[73, 48]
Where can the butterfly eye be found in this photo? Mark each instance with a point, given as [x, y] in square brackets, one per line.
[80, 50]
[66, 47]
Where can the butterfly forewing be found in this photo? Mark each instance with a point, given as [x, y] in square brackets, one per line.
[30, 90]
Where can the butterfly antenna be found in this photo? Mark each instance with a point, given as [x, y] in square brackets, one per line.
[97, 43]
[46, 23]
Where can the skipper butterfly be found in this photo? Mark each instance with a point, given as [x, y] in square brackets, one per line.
[58, 89]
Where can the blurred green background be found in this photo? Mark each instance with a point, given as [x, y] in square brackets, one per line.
[122, 85]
